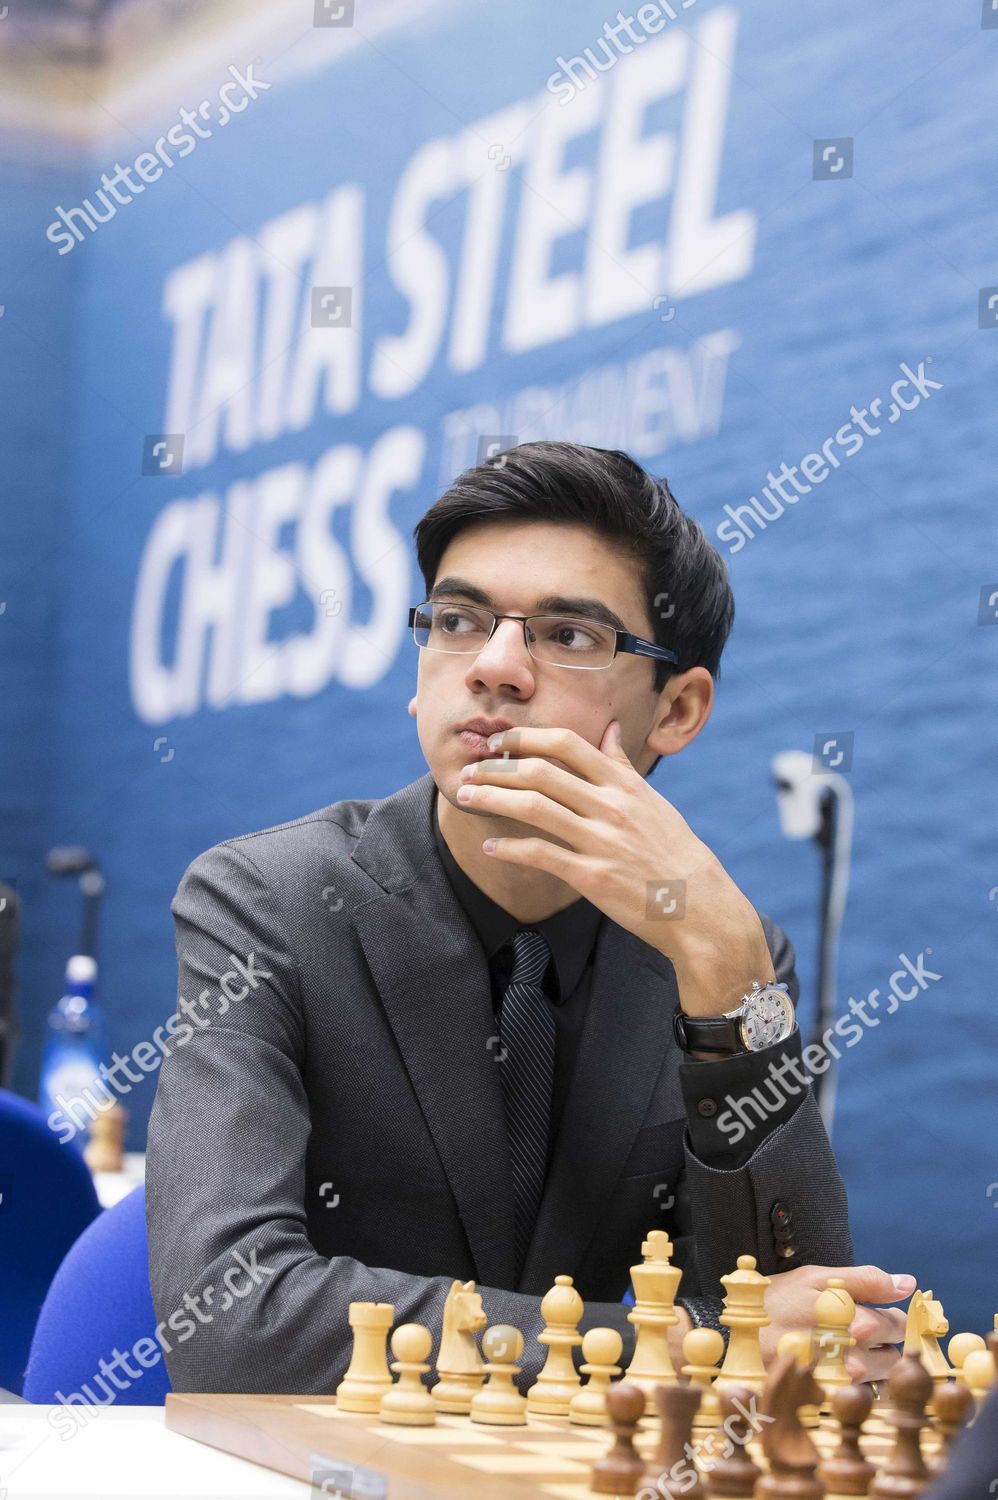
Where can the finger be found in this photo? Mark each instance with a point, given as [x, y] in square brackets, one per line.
[538, 854]
[527, 806]
[564, 744]
[878, 1325]
[533, 773]
[872, 1364]
[870, 1284]
[810, 1276]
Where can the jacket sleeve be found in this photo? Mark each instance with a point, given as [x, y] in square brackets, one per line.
[789, 1183]
[243, 1301]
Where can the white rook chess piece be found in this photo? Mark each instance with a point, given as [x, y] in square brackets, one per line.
[368, 1377]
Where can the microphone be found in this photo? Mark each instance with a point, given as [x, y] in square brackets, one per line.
[73, 859]
[818, 805]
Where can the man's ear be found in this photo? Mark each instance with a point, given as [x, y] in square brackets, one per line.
[690, 697]
[412, 706]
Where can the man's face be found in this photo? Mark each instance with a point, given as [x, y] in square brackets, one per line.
[516, 563]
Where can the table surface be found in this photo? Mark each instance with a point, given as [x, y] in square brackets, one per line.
[124, 1452]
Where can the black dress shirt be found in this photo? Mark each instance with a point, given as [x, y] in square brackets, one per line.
[567, 982]
[571, 936]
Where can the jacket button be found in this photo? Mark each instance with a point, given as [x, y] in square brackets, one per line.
[707, 1108]
[782, 1221]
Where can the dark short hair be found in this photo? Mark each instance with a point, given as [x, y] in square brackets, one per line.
[684, 577]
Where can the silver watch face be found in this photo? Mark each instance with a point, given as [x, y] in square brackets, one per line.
[767, 1017]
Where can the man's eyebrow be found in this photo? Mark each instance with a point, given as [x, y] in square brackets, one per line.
[559, 604]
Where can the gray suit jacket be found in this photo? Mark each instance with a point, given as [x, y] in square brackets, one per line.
[329, 1124]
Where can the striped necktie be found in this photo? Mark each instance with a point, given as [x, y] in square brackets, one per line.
[527, 1035]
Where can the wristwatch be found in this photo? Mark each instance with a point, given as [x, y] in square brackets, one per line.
[765, 1016]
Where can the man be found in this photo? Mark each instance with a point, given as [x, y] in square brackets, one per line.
[418, 1055]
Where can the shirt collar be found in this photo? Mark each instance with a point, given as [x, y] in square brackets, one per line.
[570, 933]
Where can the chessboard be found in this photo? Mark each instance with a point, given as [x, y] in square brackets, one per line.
[797, 1419]
[366, 1459]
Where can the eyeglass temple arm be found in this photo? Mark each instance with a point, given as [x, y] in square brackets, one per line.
[634, 643]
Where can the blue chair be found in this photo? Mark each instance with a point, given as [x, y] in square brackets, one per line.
[98, 1302]
[47, 1199]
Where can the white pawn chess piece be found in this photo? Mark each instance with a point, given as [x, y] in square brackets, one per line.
[408, 1402]
[558, 1381]
[499, 1403]
[979, 1373]
[959, 1346]
[702, 1349]
[601, 1349]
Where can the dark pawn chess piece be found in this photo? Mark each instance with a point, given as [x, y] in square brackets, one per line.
[622, 1470]
[906, 1474]
[672, 1466]
[954, 1404]
[846, 1471]
[734, 1478]
[792, 1456]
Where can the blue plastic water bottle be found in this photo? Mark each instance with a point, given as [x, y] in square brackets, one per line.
[74, 1049]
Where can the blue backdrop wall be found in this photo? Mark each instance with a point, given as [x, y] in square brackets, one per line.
[209, 638]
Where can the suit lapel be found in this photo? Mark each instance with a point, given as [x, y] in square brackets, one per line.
[433, 981]
[626, 1036]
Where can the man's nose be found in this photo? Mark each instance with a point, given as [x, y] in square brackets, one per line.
[505, 653]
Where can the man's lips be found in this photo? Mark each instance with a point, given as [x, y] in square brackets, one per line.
[485, 726]
[477, 744]
[474, 736]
